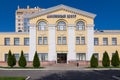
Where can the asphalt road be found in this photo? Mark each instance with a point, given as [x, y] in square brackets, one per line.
[63, 75]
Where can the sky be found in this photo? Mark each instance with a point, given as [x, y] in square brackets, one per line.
[107, 11]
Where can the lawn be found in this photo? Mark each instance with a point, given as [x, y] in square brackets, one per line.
[12, 78]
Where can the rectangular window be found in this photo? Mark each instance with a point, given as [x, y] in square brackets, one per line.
[16, 56]
[44, 40]
[59, 40]
[81, 56]
[16, 41]
[40, 40]
[96, 41]
[105, 41]
[114, 41]
[64, 40]
[96, 55]
[6, 57]
[82, 40]
[26, 41]
[77, 40]
[43, 56]
[26, 56]
[7, 41]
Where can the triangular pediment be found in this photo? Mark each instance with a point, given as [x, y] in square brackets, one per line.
[60, 7]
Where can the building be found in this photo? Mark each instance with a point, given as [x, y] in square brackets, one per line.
[60, 34]
[21, 23]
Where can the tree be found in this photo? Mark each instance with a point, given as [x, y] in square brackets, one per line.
[14, 60]
[36, 61]
[115, 59]
[105, 60]
[22, 60]
[93, 61]
[10, 61]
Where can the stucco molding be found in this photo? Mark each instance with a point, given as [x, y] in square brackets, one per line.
[59, 7]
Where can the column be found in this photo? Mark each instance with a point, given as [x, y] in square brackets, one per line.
[32, 43]
[52, 56]
[90, 41]
[71, 43]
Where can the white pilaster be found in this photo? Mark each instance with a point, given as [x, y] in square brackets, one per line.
[52, 56]
[32, 42]
[71, 44]
[90, 41]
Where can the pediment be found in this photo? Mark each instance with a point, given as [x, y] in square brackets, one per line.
[61, 7]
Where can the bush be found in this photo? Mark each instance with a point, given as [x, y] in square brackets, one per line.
[22, 60]
[93, 61]
[36, 61]
[14, 60]
[115, 59]
[10, 60]
[105, 60]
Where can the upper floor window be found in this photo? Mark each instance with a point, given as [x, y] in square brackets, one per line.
[26, 41]
[82, 40]
[45, 40]
[77, 40]
[96, 41]
[61, 25]
[7, 41]
[40, 40]
[80, 25]
[105, 41]
[16, 41]
[62, 40]
[114, 41]
[42, 25]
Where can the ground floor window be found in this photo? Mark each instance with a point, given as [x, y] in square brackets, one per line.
[26, 56]
[81, 56]
[16, 56]
[96, 55]
[6, 57]
[43, 56]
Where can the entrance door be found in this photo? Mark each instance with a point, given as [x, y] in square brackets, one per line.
[61, 58]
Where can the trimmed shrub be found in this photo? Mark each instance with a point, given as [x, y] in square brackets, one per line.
[105, 60]
[36, 61]
[10, 61]
[115, 59]
[93, 62]
[22, 60]
[14, 60]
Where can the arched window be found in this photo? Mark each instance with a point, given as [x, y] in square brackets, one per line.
[61, 25]
[19, 30]
[80, 25]
[42, 25]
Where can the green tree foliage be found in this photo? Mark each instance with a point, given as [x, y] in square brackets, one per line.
[105, 60]
[22, 60]
[93, 61]
[36, 61]
[11, 60]
[14, 60]
[115, 59]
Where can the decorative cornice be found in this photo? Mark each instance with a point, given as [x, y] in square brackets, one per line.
[59, 7]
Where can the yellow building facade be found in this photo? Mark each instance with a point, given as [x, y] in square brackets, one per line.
[60, 34]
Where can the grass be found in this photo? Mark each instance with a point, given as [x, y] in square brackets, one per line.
[12, 78]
